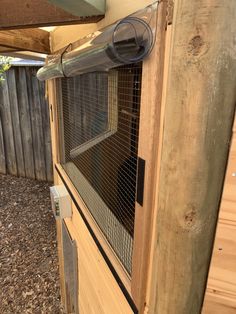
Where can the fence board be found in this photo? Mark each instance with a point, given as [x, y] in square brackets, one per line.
[2, 152]
[37, 126]
[11, 80]
[25, 121]
[25, 142]
[8, 134]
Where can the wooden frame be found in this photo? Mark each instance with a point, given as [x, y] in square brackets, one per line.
[59, 153]
[4, 49]
[149, 141]
[151, 95]
[150, 291]
[151, 270]
[112, 117]
[36, 40]
[50, 93]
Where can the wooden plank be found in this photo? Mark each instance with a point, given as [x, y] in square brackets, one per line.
[46, 131]
[61, 260]
[7, 49]
[218, 305]
[149, 129]
[25, 122]
[36, 122]
[199, 112]
[8, 130]
[13, 101]
[34, 13]
[52, 100]
[29, 55]
[52, 86]
[81, 8]
[228, 204]
[222, 275]
[98, 290]
[152, 273]
[36, 40]
[221, 286]
[3, 169]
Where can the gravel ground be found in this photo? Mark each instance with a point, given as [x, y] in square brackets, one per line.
[29, 279]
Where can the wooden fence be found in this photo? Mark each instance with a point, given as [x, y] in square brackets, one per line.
[25, 141]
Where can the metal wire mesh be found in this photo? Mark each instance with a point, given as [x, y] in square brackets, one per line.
[99, 126]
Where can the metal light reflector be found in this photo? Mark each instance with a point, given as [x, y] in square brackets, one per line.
[125, 42]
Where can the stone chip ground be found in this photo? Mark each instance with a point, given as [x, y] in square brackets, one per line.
[29, 278]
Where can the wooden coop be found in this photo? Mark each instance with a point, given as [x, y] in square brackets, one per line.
[141, 97]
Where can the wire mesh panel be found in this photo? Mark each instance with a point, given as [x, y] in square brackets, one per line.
[99, 125]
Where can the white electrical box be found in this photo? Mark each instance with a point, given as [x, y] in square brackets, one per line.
[61, 202]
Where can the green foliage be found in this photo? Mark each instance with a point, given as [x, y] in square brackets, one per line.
[4, 66]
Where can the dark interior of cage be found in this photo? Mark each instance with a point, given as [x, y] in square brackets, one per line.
[110, 166]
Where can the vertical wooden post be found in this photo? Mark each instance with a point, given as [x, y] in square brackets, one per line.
[52, 103]
[149, 129]
[199, 110]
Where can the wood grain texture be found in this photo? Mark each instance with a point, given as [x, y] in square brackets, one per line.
[221, 286]
[199, 112]
[152, 271]
[52, 101]
[29, 55]
[34, 13]
[25, 128]
[36, 124]
[25, 121]
[54, 98]
[98, 290]
[36, 40]
[61, 260]
[218, 305]
[222, 276]
[149, 131]
[2, 151]
[7, 49]
[8, 134]
[228, 204]
[13, 102]
[46, 131]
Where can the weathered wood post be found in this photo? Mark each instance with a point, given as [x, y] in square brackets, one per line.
[199, 110]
